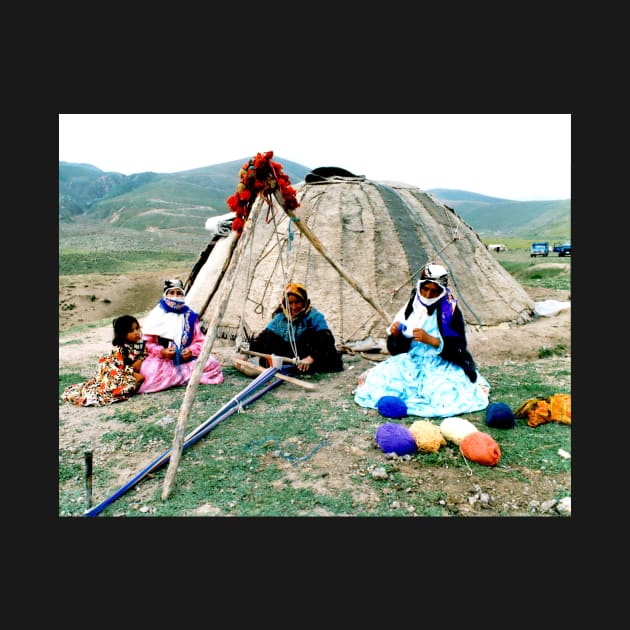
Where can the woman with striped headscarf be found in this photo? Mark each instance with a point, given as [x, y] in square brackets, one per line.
[298, 330]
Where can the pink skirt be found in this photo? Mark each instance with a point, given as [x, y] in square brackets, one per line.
[160, 374]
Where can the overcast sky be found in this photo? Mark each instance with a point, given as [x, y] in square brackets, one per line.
[523, 157]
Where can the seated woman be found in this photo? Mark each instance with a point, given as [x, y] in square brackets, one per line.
[298, 330]
[174, 340]
[430, 369]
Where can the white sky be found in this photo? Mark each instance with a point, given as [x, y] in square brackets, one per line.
[522, 157]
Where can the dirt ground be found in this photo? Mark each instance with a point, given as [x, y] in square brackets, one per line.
[83, 300]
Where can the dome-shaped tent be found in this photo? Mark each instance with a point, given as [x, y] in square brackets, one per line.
[379, 233]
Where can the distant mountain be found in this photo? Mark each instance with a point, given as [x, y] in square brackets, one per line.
[152, 201]
[491, 216]
[181, 202]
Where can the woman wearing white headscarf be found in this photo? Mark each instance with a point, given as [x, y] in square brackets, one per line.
[174, 340]
[430, 369]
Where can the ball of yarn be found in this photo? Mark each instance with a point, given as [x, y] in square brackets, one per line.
[499, 416]
[456, 429]
[395, 438]
[391, 407]
[427, 436]
[480, 447]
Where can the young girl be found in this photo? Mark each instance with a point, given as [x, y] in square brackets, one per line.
[117, 375]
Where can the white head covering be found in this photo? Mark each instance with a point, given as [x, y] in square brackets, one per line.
[169, 285]
[430, 273]
[428, 301]
[166, 324]
[436, 274]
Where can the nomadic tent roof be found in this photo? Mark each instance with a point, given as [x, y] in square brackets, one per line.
[380, 233]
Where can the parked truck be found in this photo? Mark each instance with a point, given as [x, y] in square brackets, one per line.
[539, 249]
[562, 249]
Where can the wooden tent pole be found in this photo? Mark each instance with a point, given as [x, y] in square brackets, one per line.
[318, 245]
[227, 283]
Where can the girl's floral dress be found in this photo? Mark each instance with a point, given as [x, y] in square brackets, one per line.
[113, 379]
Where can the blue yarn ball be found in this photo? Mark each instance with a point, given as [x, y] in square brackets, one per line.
[391, 407]
[395, 438]
[499, 416]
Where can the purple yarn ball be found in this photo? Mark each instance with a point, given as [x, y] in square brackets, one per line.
[395, 438]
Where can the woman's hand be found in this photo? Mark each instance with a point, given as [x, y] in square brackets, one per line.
[168, 353]
[171, 351]
[394, 328]
[304, 364]
[419, 334]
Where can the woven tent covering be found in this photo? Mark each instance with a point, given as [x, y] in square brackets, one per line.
[379, 233]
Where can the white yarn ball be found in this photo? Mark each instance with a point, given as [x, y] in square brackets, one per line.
[456, 429]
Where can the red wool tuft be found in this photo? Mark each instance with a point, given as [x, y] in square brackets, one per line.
[259, 176]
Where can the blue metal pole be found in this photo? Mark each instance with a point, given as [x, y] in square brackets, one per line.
[236, 403]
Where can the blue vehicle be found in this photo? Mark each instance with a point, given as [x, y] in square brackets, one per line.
[562, 249]
[539, 249]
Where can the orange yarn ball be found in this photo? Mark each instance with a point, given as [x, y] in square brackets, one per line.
[480, 447]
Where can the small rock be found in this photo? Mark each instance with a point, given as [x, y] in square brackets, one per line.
[563, 507]
[379, 473]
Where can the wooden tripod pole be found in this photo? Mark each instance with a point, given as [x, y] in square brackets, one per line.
[191, 389]
[245, 365]
[317, 244]
[269, 357]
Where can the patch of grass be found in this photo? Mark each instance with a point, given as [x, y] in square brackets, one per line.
[69, 379]
[68, 469]
[527, 274]
[257, 462]
[558, 350]
[119, 262]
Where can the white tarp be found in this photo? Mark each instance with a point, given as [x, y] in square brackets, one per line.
[548, 308]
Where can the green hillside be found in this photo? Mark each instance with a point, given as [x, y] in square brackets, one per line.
[179, 202]
[182, 202]
[490, 216]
